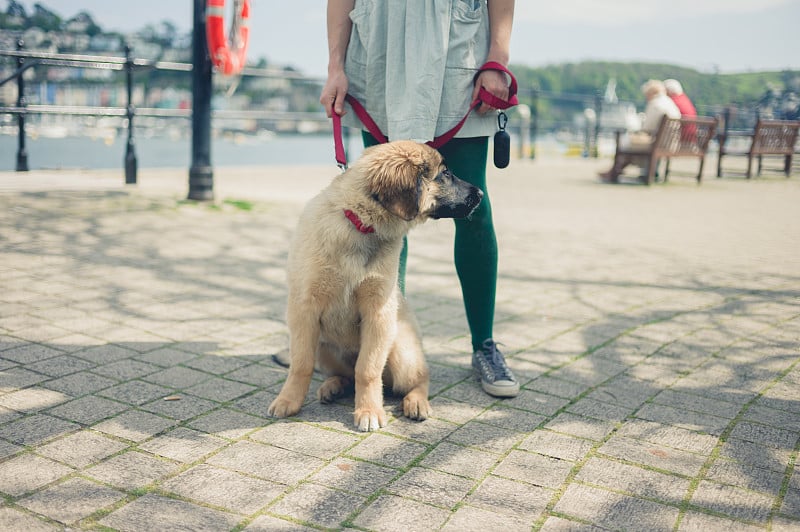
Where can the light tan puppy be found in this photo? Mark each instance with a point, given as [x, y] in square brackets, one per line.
[345, 310]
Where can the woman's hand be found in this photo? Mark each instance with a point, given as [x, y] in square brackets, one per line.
[333, 93]
[495, 82]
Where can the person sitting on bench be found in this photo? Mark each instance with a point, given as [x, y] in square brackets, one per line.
[658, 105]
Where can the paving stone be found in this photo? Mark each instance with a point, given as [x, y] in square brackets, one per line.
[756, 454]
[699, 522]
[771, 436]
[634, 480]
[79, 384]
[71, 501]
[675, 437]
[28, 472]
[220, 390]
[11, 519]
[791, 503]
[36, 429]
[318, 505]
[469, 519]
[773, 417]
[8, 449]
[746, 476]
[178, 377]
[170, 514]
[733, 501]
[534, 469]
[583, 427]
[81, 449]
[134, 425]
[28, 353]
[550, 385]
[227, 423]
[650, 454]
[430, 431]
[431, 487]
[61, 365]
[32, 400]
[463, 461]
[127, 369]
[88, 410]
[132, 470]
[13, 379]
[485, 437]
[135, 392]
[507, 497]
[559, 524]
[556, 445]
[539, 403]
[394, 514]
[306, 439]
[104, 354]
[511, 418]
[186, 407]
[603, 411]
[183, 444]
[625, 391]
[218, 487]
[693, 421]
[454, 411]
[696, 403]
[387, 450]
[614, 510]
[267, 462]
[354, 476]
[267, 523]
[166, 357]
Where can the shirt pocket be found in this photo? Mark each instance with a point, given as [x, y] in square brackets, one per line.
[469, 34]
[360, 34]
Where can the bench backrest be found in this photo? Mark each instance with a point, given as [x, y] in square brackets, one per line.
[684, 136]
[774, 137]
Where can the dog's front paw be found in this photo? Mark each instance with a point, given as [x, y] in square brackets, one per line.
[369, 419]
[416, 407]
[282, 407]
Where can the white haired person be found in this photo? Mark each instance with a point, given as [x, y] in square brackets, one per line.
[658, 105]
[675, 92]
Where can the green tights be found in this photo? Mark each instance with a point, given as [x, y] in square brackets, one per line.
[475, 246]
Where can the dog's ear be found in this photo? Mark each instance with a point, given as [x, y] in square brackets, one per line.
[396, 182]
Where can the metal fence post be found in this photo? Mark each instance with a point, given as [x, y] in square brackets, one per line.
[130, 155]
[201, 174]
[534, 120]
[22, 155]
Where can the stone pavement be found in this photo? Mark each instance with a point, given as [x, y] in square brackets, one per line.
[655, 332]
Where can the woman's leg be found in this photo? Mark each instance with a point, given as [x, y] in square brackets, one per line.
[475, 248]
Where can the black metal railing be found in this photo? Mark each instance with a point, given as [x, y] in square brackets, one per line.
[131, 66]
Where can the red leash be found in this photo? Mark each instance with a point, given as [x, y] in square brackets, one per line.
[484, 96]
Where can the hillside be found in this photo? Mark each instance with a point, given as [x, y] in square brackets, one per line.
[706, 90]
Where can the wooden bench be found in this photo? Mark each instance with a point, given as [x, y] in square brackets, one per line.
[675, 137]
[768, 138]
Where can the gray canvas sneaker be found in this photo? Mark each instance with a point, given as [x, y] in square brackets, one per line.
[496, 378]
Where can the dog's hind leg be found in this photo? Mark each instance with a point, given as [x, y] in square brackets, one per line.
[409, 373]
[340, 375]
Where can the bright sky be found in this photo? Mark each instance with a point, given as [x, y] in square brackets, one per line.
[708, 35]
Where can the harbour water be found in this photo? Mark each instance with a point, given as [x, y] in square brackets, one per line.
[164, 152]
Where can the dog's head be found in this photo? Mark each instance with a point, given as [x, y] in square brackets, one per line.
[411, 181]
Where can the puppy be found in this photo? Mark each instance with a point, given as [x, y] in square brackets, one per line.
[345, 311]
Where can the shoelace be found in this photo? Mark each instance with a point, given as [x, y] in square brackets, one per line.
[496, 361]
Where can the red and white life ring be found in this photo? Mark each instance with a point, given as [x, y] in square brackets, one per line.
[228, 58]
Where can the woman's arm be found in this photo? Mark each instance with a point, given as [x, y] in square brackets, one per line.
[339, 26]
[501, 17]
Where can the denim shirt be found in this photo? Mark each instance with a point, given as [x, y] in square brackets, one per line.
[411, 63]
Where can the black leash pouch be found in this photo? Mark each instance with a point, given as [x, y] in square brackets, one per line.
[502, 142]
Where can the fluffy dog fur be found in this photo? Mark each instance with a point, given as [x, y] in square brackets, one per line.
[345, 311]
